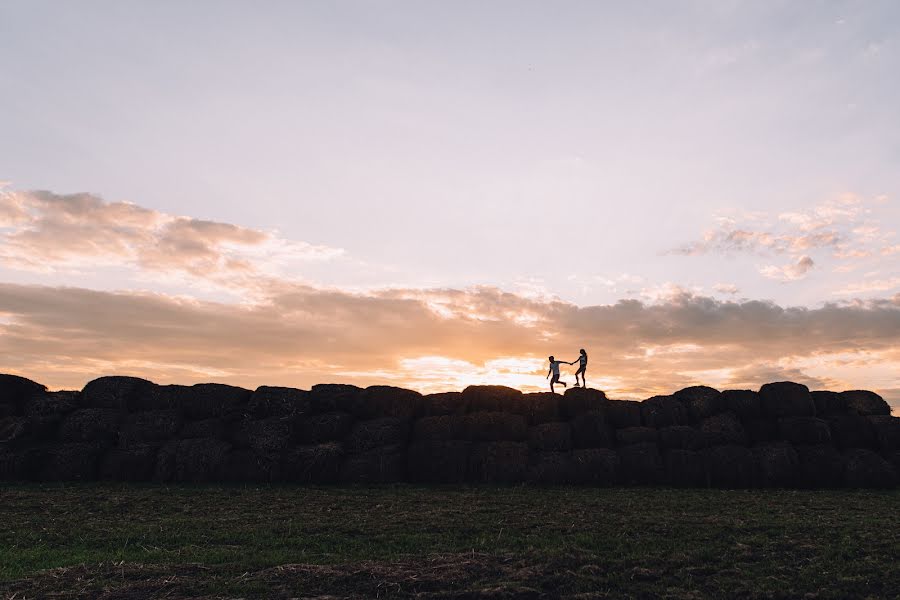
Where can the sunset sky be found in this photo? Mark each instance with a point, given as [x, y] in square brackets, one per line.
[433, 194]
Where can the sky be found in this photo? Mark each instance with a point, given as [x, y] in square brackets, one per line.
[433, 194]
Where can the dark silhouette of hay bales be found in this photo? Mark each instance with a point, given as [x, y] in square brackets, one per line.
[681, 437]
[446, 403]
[70, 462]
[265, 435]
[386, 464]
[591, 430]
[204, 428]
[135, 463]
[551, 468]
[18, 464]
[116, 392]
[596, 466]
[15, 391]
[852, 431]
[550, 437]
[701, 401]
[322, 428]
[386, 401]
[640, 464]
[821, 466]
[743, 403]
[333, 397]
[663, 411]
[494, 427]
[439, 428]
[723, 429]
[578, 401]
[684, 468]
[624, 413]
[786, 399]
[7, 410]
[319, 463]
[730, 466]
[804, 430]
[207, 400]
[369, 435]
[760, 431]
[198, 460]
[46, 411]
[493, 398]
[829, 403]
[250, 466]
[866, 469]
[148, 427]
[778, 464]
[865, 403]
[887, 432]
[498, 462]
[541, 407]
[637, 435]
[91, 425]
[14, 431]
[269, 401]
[438, 461]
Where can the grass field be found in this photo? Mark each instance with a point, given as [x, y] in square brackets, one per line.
[117, 541]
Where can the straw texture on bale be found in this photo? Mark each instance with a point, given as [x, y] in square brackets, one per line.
[624, 413]
[743, 403]
[45, 411]
[265, 435]
[596, 466]
[701, 401]
[552, 468]
[16, 391]
[446, 403]
[681, 437]
[684, 468]
[381, 465]
[541, 407]
[865, 403]
[578, 401]
[387, 401]
[250, 466]
[333, 397]
[319, 463]
[438, 461]
[887, 432]
[550, 437]
[375, 433]
[663, 411]
[494, 427]
[730, 466]
[820, 466]
[204, 428]
[135, 463]
[492, 398]
[149, 426]
[804, 430]
[198, 460]
[70, 462]
[852, 431]
[120, 393]
[498, 462]
[91, 425]
[778, 464]
[723, 429]
[829, 403]
[271, 401]
[640, 464]
[322, 428]
[637, 435]
[866, 469]
[438, 428]
[591, 430]
[786, 399]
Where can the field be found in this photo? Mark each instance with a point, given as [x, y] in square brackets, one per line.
[117, 541]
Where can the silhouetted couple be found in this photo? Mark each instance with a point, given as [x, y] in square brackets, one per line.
[554, 370]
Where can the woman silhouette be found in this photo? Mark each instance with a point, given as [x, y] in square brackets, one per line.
[582, 367]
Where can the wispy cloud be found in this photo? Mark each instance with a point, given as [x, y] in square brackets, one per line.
[789, 272]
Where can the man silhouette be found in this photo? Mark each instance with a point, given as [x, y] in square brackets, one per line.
[554, 369]
[582, 367]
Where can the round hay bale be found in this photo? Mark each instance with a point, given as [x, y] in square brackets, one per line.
[445, 403]
[150, 426]
[744, 403]
[7, 410]
[894, 459]
[386, 401]
[550, 468]
[264, 435]
[120, 393]
[197, 460]
[498, 462]
[730, 466]
[829, 403]
[541, 407]
[250, 466]
[269, 401]
[821, 466]
[865, 469]
[701, 401]
[887, 432]
[204, 428]
[760, 431]
[46, 411]
[591, 430]
[438, 461]
[91, 425]
[70, 462]
[865, 403]
[786, 399]
[14, 431]
[852, 431]
[596, 466]
[440, 428]
[207, 400]
[550, 437]
[624, 413]
[135, 463]
[16, 391]
[369, 435]
[492, 398]
[778, 464]
[19, 464]
[804, 430]
[663, 411]
[640, 464]
[319, 463]
[578, 401]
[326, 427]
[637, 435]
[723, 429]
[681, 437]
[381, 465]
[333, 397]
[494, 427]
[684, 468]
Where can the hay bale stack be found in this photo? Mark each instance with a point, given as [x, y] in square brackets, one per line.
[730, 466]
[744, 403]
[804, 430]
[322, 428]
[14, 431]
[446, 403]
[887, 432]
[438, 461]
[852, 431]
[640, 464]
[493, 398]
[722, 430]
[541, 407]
[684, 468]
[204, 428]
[778, 464]
[591, 430]
[16, 391]
[829, 403]
[494, 427]
[386, 401]
[550, 437]
[894, 459]
[319, 463]
[498, 462]
[265, 435]
[865, 403]
[383, 465]
[596, 466]
[207, 400]
[91, 425]
[820, 466]
[369, 435]
[865, 469]
[681, 437]
[333, 397]
[46, 411]
[701, 402]
[624, 413]
[70, 462]
[19, 464]
[440, 428]
[120, 393]
[551, 468]
[760, 431]
[786, 399]
[199, 460]
[250, 466]
[663, 411]
[269, 401]
[135, 463]
[578, 401]
[150, 426]
[637, 435]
